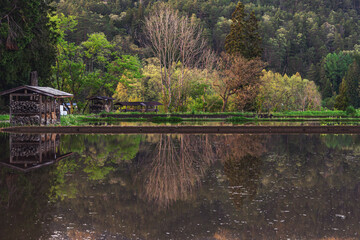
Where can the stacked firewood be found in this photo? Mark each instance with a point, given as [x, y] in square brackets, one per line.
[24, 150]
[25, 120]
[25, 107]
[25, 137]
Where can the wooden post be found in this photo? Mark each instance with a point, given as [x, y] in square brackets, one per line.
[11, 100]
[40, 150]
[46, 110]
[11, 155]
[40, 112]
[53, 111]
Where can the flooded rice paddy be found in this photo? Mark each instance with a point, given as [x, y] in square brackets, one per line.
[166, 186]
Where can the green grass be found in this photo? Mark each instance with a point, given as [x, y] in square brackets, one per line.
[72, 120]
[240, 119]
[4, 117]
[334, 113]
[166, 119]
[4, 124]
[111, 119]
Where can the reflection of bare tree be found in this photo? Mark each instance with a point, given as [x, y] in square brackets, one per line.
[175, 167]
[242, 164]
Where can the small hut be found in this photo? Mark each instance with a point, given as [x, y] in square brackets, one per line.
[138, 106]
[34, 105]
[100, 104]
[31, 151]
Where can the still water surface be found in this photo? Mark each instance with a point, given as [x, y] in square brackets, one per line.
[179, 186]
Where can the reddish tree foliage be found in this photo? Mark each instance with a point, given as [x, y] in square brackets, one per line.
[237, 75]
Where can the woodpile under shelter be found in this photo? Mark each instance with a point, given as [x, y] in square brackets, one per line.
[138, 106]
[100, 104]
[34, 105]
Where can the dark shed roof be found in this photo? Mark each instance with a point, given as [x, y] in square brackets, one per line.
[100, 98]
[138, 103]
[153, 103]
[47, 91]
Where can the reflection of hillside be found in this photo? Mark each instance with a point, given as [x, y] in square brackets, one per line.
[174, 167]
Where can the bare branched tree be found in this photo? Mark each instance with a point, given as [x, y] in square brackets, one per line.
[237, 75]
[173, 39]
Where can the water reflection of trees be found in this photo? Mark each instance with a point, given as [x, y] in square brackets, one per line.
[174, 166]
[242, 165]
[289, 176]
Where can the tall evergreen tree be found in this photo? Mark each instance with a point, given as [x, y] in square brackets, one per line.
[352, 84]
[235, 41]
[253, 40]
[244, 37]
[342, 100]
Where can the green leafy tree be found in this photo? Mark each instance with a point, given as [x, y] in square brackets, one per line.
[336, 66]
[97, 51]
[69, 69]
[282, 93]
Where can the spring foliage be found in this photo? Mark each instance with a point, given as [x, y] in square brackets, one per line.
[283, 93]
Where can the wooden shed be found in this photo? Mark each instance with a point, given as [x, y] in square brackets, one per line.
[138, 106]
[31, 151]
[34, 105]
[100, 104]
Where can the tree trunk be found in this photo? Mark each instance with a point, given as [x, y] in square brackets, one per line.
[224, 104]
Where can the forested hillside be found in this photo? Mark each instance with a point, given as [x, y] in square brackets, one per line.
[318, 39]
[295, 34]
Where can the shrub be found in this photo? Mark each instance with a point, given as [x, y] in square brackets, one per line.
[350, 110]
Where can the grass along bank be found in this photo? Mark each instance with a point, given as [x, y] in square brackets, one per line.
[233, 117]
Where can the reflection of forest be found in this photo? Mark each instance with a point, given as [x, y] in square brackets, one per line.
[263, 187]
[242, 165]
[173, 166]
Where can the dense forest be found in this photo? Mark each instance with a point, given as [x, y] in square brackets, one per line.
[310, 50]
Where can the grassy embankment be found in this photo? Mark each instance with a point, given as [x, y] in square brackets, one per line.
[232, 117]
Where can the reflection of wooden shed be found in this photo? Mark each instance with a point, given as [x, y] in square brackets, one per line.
[100, 104]
[31, 151]
[33, 105]
[138, 106]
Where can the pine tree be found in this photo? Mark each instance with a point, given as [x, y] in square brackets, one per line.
[234, 42]
[244, 37]
[352, 83]
[253, 40]
[327, 90]
[342, 100]
[313, 74]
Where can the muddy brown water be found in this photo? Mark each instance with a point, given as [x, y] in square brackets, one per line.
[179, 186]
